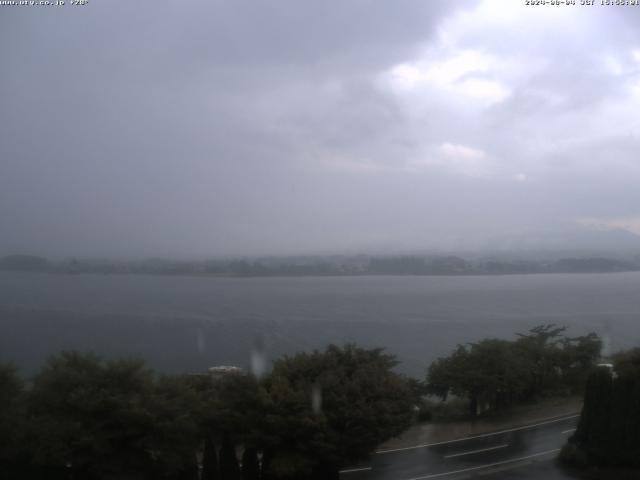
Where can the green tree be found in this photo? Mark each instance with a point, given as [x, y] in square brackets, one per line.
[92, 415]
[576, 359]
[210, 460]
[595, 419]
[495, 373]
[13, 456]
[330, 408]
[229, 468]
[250, 467]
[188, 470]
[608, 432]
[112, 419]
[627, 363]
[232, 409]
[488, 372]
[540, 348]
[293, 435]
[175, 435]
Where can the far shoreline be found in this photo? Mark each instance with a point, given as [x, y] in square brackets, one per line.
[312, 275]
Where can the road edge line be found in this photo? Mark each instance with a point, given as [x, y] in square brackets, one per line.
[481, 435]
[489, 465]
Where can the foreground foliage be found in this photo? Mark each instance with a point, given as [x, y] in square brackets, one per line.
[357, 403]
[83, 417]
[608, 433]
[493, 374]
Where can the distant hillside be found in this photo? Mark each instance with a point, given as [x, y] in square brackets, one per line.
[334, 266]
[572, 240]
[24, 263]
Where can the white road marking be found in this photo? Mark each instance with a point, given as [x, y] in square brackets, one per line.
[352, 470]
[483, 435]
[568, 431]
[489, 465]
[476, 451]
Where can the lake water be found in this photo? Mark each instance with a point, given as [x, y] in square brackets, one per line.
[190, 323]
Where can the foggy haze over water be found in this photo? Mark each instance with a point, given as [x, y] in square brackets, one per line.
[132, 130]
[190, 323]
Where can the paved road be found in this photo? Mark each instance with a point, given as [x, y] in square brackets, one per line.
[494, 454]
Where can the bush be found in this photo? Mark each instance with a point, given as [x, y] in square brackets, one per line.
[437, 410]
[572, 456]
[424, 414]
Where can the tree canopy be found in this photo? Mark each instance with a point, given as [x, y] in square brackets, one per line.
[97, 420]
[608, 432]
[495, 373]
[343, 402]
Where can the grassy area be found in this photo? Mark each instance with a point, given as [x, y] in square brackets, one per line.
[545, 408]
[457, 409]
[438, 411]
[450, 420]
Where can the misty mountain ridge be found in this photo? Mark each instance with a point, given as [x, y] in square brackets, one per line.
[577, 240]
[544, 245]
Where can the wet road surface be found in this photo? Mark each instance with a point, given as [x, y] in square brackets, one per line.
[517, 453]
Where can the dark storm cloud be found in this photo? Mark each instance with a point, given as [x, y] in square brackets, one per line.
[205, 128]
[165, 128]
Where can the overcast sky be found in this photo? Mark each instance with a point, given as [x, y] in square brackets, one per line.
[205, 128]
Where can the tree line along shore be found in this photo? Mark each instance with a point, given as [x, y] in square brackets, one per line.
[339, 265]
[85, 417]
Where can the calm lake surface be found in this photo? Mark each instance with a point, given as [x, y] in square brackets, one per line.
[189, 323]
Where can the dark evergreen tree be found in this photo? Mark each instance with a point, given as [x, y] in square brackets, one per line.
[608, 432]
[593, 428]
[189, 469]
[111, 420]
[266, 471]
[329, 409]
[93, 415]
[13, 422]
[250, 468]
[210, 460]
[229, 468]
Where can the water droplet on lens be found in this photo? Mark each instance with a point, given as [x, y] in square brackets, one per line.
[316, 399]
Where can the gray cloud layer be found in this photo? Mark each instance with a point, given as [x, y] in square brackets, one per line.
[206, 128]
